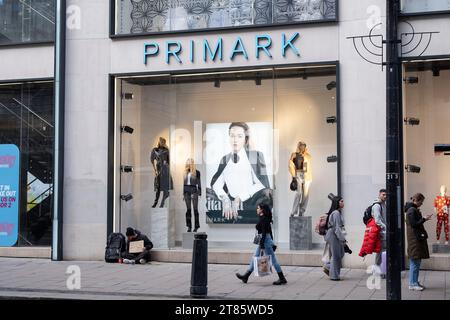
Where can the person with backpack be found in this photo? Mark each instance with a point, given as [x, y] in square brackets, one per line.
[379, 214]
[417, 239]
[138, 258]
[264, 229]
[335, 239]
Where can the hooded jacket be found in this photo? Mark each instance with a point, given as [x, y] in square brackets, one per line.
[139, 236]
[416, 234]
[372, 239]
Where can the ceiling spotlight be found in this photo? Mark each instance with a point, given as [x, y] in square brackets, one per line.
[411, 80]
[127, 96]
[332, 159]
[127, 197]
[331, 85]
[412, 168]
[126, 168]
[436, 72]
[331, 119]
[258, 80]
[127, 129]
[217, 83]
[304, 75]
[412, 121]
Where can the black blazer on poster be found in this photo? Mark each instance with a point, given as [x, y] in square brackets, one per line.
[195, 181]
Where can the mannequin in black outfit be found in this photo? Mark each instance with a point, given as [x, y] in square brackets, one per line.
[192, 189]
[163, 180]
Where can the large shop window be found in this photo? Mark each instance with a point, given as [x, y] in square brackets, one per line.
[23, 21]
[27, 121]
[144, 16]
[425, 6]
[427, 141]
[239, 130]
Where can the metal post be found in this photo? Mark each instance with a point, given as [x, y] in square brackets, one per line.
[393, 206]
[58, 170]
[199, 273]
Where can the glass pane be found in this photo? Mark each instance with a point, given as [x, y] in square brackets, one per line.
[427, 141]
[240, 129]
[26, 120]
[141, 16]
[415, 6]
[27, 21]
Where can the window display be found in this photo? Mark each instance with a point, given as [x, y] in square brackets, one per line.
[160, 160]
[300, 169]
[229, 134]
[441, 206]
[192, 189]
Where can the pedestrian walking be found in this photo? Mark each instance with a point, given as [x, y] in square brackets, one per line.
[417, 239]
[335, 239]
[264, 229]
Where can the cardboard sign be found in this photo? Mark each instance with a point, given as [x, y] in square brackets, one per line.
[136, 246]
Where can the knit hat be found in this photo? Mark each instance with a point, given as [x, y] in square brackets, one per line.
[130, 232]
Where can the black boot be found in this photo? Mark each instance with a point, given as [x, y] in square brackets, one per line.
[189, 220]
[244, 277]
[165, 196]
[156, 199]
[197, 222]
[280, 281]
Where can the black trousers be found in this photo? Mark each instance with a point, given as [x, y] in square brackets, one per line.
[191, 196]
[137, 256]
[165, 196]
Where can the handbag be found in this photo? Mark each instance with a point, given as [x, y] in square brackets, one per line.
[262, 265]
[257, 238]
[293, 185]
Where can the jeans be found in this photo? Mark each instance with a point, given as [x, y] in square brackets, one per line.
[414, 266]
[268, 250]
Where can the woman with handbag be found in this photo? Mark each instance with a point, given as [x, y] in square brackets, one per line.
[265, 238]
[335, 239]
[417, 239]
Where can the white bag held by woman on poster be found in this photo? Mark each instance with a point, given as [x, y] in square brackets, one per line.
[262, 265]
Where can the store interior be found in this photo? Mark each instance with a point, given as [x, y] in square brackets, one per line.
[427, 134]
[193, 113]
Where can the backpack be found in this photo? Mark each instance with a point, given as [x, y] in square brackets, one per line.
[321, 225]
[115, 245]
[368, 213]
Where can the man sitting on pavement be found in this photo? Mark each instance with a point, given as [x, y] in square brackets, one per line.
[139, 257]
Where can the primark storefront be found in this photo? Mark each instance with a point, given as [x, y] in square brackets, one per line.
[250, 93]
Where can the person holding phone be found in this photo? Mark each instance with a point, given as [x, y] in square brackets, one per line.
[417, 239]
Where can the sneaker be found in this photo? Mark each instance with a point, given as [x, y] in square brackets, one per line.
[420, 285]
[446, 242]
[142, 261]
[128, 261]
[416, 288]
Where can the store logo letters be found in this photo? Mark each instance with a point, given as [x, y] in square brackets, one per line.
[263, 43]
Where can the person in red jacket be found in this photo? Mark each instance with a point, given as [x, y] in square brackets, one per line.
[372, 239]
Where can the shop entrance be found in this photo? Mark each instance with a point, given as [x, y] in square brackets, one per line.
[239, 129]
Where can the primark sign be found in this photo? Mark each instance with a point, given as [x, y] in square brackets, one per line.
[221, 49]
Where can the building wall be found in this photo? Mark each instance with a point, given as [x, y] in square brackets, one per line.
[92, 56]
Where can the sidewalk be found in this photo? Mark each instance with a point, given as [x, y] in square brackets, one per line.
[39, 278]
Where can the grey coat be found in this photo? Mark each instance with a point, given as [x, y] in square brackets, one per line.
[335, 235]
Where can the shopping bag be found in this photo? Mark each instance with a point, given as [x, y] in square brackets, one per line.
[326, 253]
[262, 265]
[383, 262]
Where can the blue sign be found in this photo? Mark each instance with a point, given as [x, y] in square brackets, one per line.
[9, 194]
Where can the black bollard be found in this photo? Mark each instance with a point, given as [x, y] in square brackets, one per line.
[199, 273]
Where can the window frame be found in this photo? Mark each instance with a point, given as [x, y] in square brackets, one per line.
[114, 35]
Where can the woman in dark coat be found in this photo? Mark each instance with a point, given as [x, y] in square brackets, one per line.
[417, 239]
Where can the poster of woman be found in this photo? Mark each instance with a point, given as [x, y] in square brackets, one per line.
[239, 170]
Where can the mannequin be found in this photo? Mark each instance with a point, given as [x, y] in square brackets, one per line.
[159, 157]
[441, 207]
[300, 170]
[192, 189]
